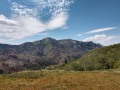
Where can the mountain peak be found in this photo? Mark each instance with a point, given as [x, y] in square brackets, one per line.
[48, 38]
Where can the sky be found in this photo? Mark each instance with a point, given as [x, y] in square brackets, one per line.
[84, 20]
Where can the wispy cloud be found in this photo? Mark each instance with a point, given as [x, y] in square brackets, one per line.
[98, 30]
[25, 20]
[43, 34]
[54, 7]
[2, 40]
[102, 39]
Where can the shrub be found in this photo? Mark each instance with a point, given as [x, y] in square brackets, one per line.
[1, 71]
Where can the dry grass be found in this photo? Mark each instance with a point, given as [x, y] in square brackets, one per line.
[61, 80]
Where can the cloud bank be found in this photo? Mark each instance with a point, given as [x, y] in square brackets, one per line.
[25, 21]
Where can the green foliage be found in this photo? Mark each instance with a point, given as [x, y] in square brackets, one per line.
[1, 71]
[99, 59]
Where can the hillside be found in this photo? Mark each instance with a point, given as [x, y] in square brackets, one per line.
[42, 53]
[99, 59]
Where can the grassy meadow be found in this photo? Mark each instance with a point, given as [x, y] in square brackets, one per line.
[61, 80]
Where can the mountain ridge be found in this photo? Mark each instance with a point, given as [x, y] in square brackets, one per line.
[46, 39]
[42, 53]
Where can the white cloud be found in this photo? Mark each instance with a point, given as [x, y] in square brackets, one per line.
[98, 30]
[27, 26]
[26, 21]
[23, 27]
[21, 10]
[58, 21]
[43, 34]
[54, 7]
[2, 40]
[4, 20]
[102, 39]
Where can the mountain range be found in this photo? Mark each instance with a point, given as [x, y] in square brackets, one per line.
[42, 53]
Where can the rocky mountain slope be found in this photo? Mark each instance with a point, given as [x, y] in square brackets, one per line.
[42, 53]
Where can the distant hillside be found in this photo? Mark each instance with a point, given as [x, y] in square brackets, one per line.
[103, 58]
[42, 53]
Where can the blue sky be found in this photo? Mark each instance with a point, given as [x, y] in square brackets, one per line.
[84, 20]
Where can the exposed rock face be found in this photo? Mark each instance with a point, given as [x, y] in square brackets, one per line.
[45, 52]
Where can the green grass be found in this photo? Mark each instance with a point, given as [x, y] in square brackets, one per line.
[61, 80]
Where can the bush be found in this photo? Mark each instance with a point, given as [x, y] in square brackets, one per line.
[1, 71]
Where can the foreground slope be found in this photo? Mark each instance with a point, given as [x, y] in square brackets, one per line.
[103, 58]
[42, 53]
[61, 80]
